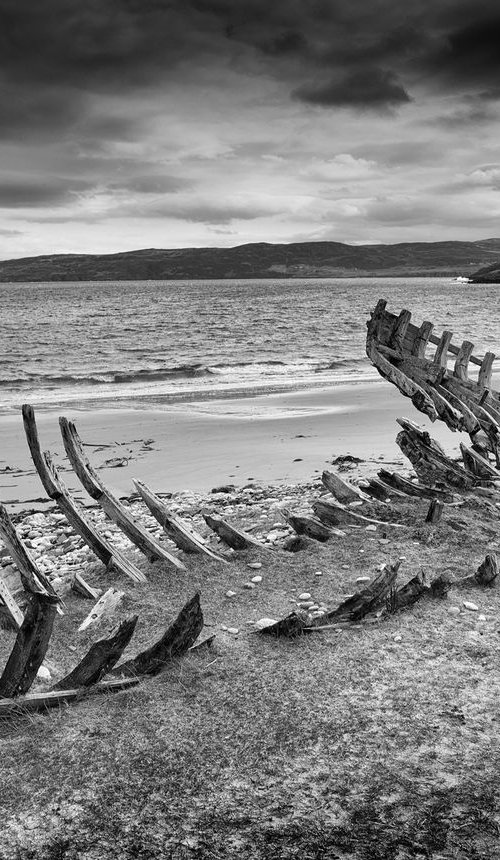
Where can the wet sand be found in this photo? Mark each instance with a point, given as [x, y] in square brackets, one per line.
[277, 438]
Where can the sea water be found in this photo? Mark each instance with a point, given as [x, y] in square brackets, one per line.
[154, 342]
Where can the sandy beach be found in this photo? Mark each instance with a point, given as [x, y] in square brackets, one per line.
[275, 438]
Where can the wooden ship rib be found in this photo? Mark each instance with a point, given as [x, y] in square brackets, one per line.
[436, 375]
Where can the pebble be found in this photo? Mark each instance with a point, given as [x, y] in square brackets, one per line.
[371, 528]
[472, 607]
[43, 674]
[233, 630]
[361, 579]
[454, 610]
[402, 558]
[345, 567]
[248, 585]
[384, 540]
[318, 573]
[397, 638]
[230, 594]
[255, 565]
[304, 596]
[481, 617]
[256, 579]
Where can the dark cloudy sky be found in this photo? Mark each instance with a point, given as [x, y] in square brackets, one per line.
[166, 123]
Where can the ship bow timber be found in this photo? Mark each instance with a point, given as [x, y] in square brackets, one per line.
[444, 380]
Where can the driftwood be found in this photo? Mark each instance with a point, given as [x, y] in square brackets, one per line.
[185, 537]
[81, 586]
[478, 465]
[293, 625]
[30, 646]
[333, 513]
[178, 637]
[362, 602]
[342, 490]
[58, 492]
[429, 460]
[100, 658]
[435, 512]
[232, 536]
[33, 580]
[108, 502]
[311, 527]
[109, 600]
[441, 585]
[408, 594]
[487, 571]
[10, 603]
[36, 702]
[409, 488]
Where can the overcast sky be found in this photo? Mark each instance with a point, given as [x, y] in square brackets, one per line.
[154, 123]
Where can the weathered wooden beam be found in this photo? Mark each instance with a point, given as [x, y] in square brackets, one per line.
[422, 339]
[108, 502]
[36, 702]
[30, 646]
[58, 492]
[399, 329]
[81, 586]
[435, 512]
[477, 465]
[461, 368]
[409, 488]
[407, 386]
[487, 571]
[232, 536]
[484, 375]
[293, 625]
[443, 347]
[178, 637]
[8, 600]
[363, 601]
[107, 603]
[185, 537]
[342, 490]
[333, 513]
[408, 594]
[311, 527]
[384, 491]
[428, 458]
[100, 658]
[32, 578]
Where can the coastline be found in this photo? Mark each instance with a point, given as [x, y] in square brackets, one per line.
[284, 438]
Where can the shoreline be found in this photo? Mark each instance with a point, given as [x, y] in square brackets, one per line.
[281, 438]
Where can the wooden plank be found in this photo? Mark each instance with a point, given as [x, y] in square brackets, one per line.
[233, 537]
[407, 386]
[32, 578]
[333, 513]
[399, 329]
[100, 658]
[177, 639]
[443, 347]
[408, 487]
[58, 492]
[461, 368]
[342, 490]
[311, 527]
[185, 538]
[478, 465]
[30, 646]
[108, 502]
[35, 702]
[484, 375]
[364, 600]
[470, 422]
[422, 339]
[10, 604]
[106, 604]
[81, 586]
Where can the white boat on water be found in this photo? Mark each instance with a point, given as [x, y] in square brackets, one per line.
[461, 279]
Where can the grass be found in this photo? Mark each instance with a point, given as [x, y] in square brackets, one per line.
[338, 745]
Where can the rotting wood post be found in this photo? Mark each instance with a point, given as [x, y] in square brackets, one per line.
[100, 658]
[441, 585]
[178, 638]
[33, 580]
[30, 646]
[487, 571]
[435, 512]
[59, 493]
[233, 537]
[111, 506]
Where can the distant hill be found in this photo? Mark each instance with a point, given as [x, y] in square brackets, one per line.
[488, 275]
[261, 260]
